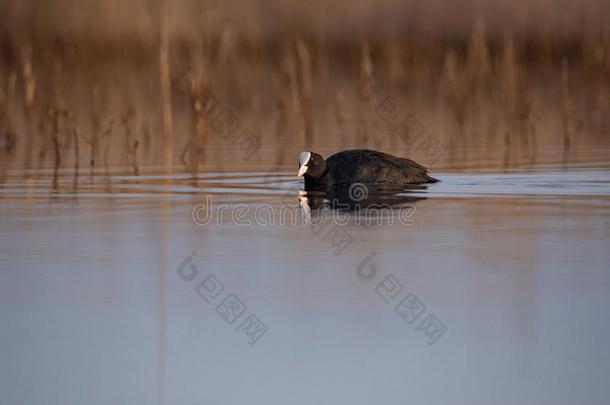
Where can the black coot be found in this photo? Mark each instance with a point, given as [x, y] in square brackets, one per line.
[360, 166]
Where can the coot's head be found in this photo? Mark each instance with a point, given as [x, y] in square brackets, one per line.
[311, 165]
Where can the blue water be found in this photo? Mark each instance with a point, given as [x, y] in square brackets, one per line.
[101, 297]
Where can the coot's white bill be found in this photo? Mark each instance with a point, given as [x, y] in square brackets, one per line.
[303, 160]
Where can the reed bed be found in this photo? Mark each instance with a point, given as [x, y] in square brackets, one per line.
[494, 95]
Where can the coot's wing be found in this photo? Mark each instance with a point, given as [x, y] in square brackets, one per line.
[414, 173]
[356, 166]
[368, 166]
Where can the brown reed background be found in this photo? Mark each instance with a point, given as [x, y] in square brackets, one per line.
[93, 85]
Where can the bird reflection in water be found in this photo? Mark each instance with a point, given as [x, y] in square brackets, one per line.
[369, 201]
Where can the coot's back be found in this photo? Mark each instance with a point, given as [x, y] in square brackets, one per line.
[372, 167]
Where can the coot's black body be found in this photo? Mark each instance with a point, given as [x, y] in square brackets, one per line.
[360, 166]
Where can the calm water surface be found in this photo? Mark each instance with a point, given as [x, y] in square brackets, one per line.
[101, 296]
